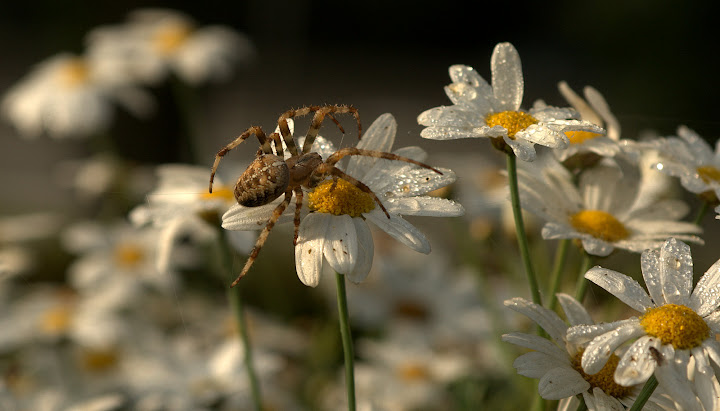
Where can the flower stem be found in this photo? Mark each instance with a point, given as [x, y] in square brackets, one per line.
[582, 406]
[701, 212]
[645, 393]
[238, 309]
[582, 283]
[558, 267]
[346, 340]
[520, 228]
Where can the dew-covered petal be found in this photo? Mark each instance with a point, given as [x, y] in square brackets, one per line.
[598, 102]
[560, 383]
[248, 218]
[469, 90]
[507, 79]
[380, 136]
[706, 296]
[548, 320]
[450, 116]
[411, 181]
[713, 321]
[535, 364]
[623, 287]
[600, 348]
[310, 246]
[539, 344]
[341, 245]
[596, 246]
[523, 149]
[708, 390]
[574, 311]
[425, 206]
[580, 334]
[676, 385]
[603, 402]
[543, 135]
[650, 266]
[400, 230]
[366, 251]
[638, 362]
[586, 112]
[451, 133]
[676, 272]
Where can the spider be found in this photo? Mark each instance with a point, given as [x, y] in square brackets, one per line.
[271, 175]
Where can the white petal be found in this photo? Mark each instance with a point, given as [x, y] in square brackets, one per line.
[600, 348]
[708, 390]
[676, 272]
[400, 230]
[574, 311]
[548, 320]
[248, 218]
[638, 363]
[586, 112]
[596, 246]
[597, 101]
[581, 334]
[706, 296]
[309, 248]
[539, 344]
[450, 116]
[523, 149]
[535, 364]
[366, 251]
[677, 386]
[543, 135]
[425, 206]
[561, 383]
[341, 245]
[623, 287]
[380, 136]
[507, 79]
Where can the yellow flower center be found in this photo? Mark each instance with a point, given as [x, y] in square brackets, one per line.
[413, 372]
[219, 193]
[74, 73]
[341, 198]
[170, 37]
[579, 137]
[56, 320]
[128, 255]
[677, 325]
[599, 224]
[98, 360]
[512, 121]
[709, 174]
[604, 379]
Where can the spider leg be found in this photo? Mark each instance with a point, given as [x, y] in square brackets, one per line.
[298, 205]
[318, 118]
[352, 151]
[329, 169]
[263, 236]
[257, 131]
[275, 137]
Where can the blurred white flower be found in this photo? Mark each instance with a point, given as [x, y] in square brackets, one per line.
[482, 110]
[65, 97]
[156, 42]
[336, 229]
[605, 209]
[16, 255]
[677, 327]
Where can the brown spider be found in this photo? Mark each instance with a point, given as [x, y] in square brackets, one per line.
[271, 175]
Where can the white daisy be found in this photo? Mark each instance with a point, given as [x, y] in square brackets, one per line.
[336, 228]
[606, 209]
[65, 96]
[595, 110]
[155, 42]
[556, 362]
[481, 110]
[691, 159]
[678, 326]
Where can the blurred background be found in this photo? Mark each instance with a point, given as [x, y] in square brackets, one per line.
[653, 60]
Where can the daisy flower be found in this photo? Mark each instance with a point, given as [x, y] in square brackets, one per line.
[556, 362]
[482, 110]
[691, 159]
[155, 42]
[605, 210]
[678, 326]
[336, 229]
[65, 96]
[593, 109]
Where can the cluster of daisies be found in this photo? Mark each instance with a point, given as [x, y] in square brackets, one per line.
[138, 316]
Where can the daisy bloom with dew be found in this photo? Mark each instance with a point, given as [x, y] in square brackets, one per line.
[605, 209]
[65, 96]
[482, 110]
[156, 42]
[595, 110]
[556, 362]
[678, 326]
[336, 229]
[693, 160]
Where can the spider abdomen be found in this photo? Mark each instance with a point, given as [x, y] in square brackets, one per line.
[265, 179]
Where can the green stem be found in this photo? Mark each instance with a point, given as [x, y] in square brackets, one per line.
[701, 212]
[557, 271]
[238, 309]
[582, 283]
[582, 406]
[645, 393]
[346, 340]
[520, 228]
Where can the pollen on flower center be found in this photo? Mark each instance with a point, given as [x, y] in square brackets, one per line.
[341, 198]
[128, 255]
[74, 73]
[604, 379]
[219, 193]
[512, 121]
[677, 325]
[170, 37]
[709, 174]
[599, 224]
[579, 137]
